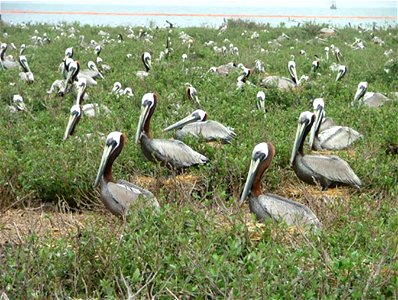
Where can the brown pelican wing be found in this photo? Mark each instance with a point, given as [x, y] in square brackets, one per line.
[326, 124]
[118, 197]
[338, 137]
[175, 153]
[332, 168]
[282, 209]
[209, 130]
[374, 99]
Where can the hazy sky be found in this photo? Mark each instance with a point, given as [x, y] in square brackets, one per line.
[240, 3]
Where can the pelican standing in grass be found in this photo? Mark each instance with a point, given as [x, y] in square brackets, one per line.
[332, 138]
[147, 60]
[270, 206]
[370, 99]
[327, 171]
[26, 74]
[172, 153]
[197, 125]
[119, 197]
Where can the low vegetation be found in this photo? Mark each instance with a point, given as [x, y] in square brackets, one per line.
[200, 244]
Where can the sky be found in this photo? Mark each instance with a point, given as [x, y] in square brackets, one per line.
[240, 3]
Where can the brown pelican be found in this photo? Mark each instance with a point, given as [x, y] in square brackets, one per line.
[119, 196]
[92, 71]
[342, 70]
[191, 93]
[26, 74]
[72, 69]
[224, 69]
[261, 101]
[270, 206]
[332, 138]
[74, 118]
[370, 99]
[316, 63]
[282, 82]
[328, 171]
[196, 125]
[102, 66]
[5, 62]
[172, 153]
[146, 59]
[17, 104]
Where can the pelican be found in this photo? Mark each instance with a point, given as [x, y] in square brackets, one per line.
[270, 206]
[146, 59]
[5, 62]
[282, 82]
[119, 196]
[17, 104]
[196, 125]
[341, 71]
[26, 74]
[261, 101]
[224, 69]
[92, 71]
[328, 171]
[74, 118]
[191, 93]
[370, 99]
[316, 63]
[172, 153]
[102, 66]
[91, 109]
[72, 69]
[333, 138]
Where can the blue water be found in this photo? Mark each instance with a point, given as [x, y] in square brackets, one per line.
[183, 21]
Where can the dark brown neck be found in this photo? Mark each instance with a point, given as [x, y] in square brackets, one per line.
[108, 167]
[257, 186]
[148, 120]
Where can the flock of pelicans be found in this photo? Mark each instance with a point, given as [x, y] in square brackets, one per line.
[119, 196]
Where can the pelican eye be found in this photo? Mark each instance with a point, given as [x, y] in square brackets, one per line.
[259, 156]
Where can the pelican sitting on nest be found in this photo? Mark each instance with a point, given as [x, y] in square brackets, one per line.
[370, 99]
[119, 196]
[270, 206]
[26, 74]
[282, 82]
[196, 125]
[146, 59]
[5, 62]
[328, 171]
[92, 71]
[172, 153]
[333, 138]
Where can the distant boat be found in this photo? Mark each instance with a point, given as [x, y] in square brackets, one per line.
[333, 5]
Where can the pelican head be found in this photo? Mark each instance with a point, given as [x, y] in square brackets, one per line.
[69, 52]
[73, 68]
[341, 72]
[116, 87]
[148, 104]
[18, 102]
[319, 112]
[113, 146]
[197, 116]
[362, 87]
[22, 49]
[147, 60]
[74, 118]
[257, 167]
[98, 50]
[291, 66]
[92, 66]
[305, 122]
[261, 101]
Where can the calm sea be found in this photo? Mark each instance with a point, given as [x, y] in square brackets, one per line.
[191, 16]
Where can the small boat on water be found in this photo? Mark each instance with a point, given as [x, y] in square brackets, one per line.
[333, 5]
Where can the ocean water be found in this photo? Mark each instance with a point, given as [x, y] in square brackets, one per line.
[188, 16]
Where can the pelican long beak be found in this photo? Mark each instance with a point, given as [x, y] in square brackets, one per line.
[340, 75]
[293, 74]
[74, 118]
[25, 65]
[104, 160]
[249, 181]
[141, 122]
[297, 142]
[317, 123]
[182, 123]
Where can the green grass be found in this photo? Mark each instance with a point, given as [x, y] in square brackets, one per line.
[199, 244]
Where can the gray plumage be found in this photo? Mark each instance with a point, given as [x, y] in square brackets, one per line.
[335, 138]
[207, 130]
[279, 82]
[277, 208]
[372, 99]
[172, 153]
